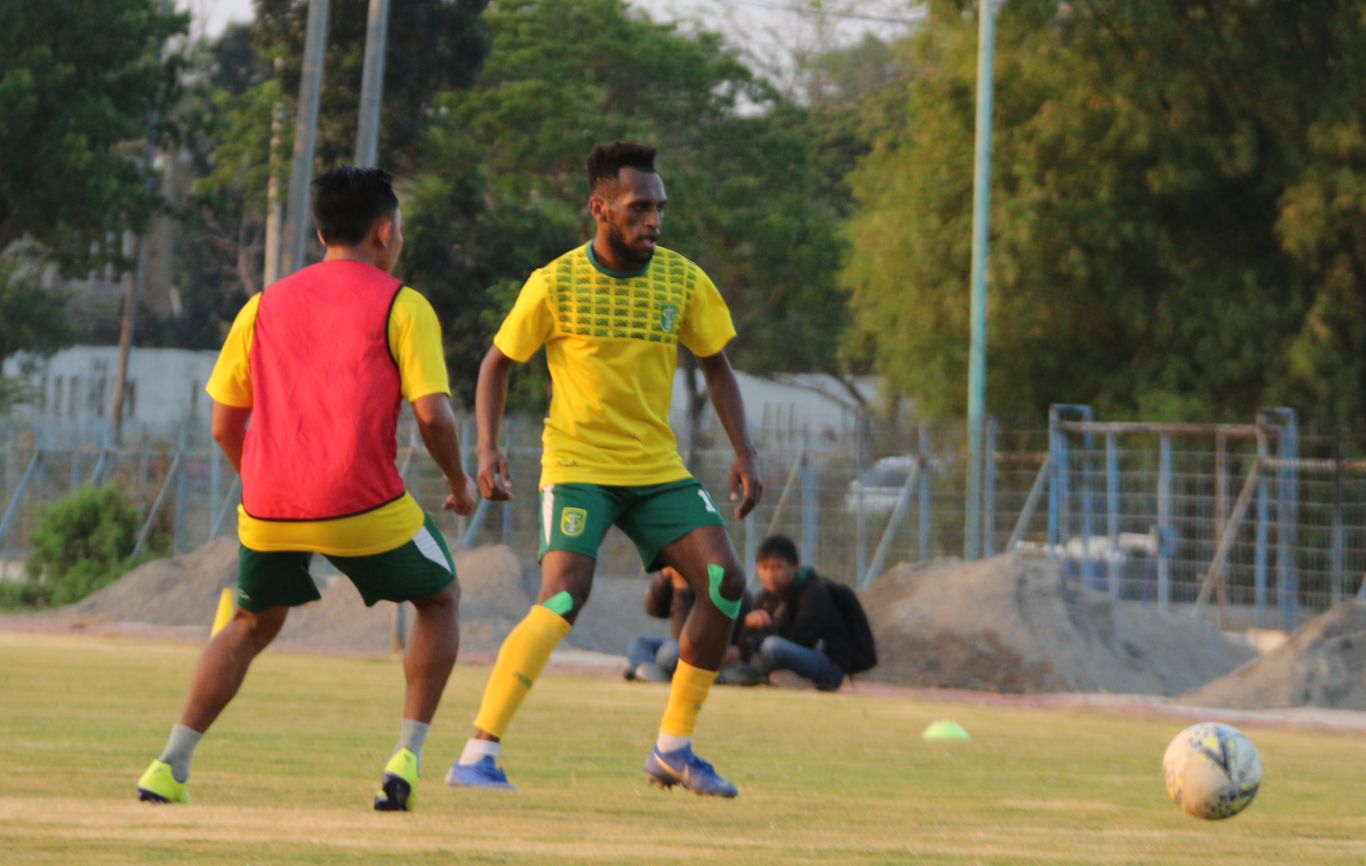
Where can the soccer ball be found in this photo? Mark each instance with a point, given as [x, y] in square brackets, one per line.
[1212, 770]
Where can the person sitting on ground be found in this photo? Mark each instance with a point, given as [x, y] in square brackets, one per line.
[796, 633]
[652, 658]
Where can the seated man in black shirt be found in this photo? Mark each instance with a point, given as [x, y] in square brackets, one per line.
[793, 624]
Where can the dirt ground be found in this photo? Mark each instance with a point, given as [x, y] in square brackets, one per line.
[1321, 665]
[1009, 624]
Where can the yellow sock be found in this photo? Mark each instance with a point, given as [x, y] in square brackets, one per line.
[686, 696]
[520, 661]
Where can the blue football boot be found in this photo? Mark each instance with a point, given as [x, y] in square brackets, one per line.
[484, 774]
[682, 767]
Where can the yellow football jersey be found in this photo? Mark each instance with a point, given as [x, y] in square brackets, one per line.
[611, 344]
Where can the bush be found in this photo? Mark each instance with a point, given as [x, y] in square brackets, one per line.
[81, 544]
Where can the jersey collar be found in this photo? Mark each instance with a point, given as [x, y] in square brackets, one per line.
[592, 257]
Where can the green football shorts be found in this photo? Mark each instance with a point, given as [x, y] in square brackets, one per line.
[421, 567]
[575, 517]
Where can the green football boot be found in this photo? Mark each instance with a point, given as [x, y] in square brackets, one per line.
[157, 785]
[398, 788]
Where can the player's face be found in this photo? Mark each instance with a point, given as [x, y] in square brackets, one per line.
[776, 573]
[632, 213]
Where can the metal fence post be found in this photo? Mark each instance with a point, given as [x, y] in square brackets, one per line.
[1164, 510]
[1287, 508]
[1338, 578]
[1112, 562]
[809, 502]
[925, 503]
[1259, 544]
[989, 488]
[1088, 565]
[1054, 461]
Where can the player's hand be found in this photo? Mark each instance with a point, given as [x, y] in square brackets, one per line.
[462, 497]
[745, 485]
[758, 619]
[495, 481]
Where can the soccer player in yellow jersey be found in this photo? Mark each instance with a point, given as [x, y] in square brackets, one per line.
[611, 315]
[319, 363]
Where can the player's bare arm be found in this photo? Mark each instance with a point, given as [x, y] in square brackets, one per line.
[229, 427]
[490, 397]
[746, 487]
[436, 422]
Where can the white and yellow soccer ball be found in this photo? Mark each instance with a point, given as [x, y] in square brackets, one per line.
[1212, 770]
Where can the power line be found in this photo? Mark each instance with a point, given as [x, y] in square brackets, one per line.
[826, 13]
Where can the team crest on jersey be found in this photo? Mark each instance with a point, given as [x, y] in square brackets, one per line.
[572, 522]
[668, 316]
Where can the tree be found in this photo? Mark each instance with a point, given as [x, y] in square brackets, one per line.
[248, 77]
[76, 83]
[503, 188]
[1143, 159]
[32, 321]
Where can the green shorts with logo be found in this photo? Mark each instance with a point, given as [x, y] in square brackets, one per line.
[576, 517]
[421, 567]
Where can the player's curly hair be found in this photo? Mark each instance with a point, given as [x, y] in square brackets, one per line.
[607, 160]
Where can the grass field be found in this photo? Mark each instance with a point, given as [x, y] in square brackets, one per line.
[287, 775]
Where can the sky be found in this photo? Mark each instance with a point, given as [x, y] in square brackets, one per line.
[764, 30]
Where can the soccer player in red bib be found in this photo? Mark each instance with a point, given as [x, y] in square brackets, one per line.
[320, 363]
[611, 315]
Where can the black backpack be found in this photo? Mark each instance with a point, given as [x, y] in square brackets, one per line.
[860, 651]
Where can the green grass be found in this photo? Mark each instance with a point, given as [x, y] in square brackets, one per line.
[287, 774]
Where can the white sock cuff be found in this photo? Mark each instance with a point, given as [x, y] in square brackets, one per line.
[476, 750]
[671, 743]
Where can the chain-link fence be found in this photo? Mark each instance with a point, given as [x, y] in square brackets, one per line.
[1261, 524]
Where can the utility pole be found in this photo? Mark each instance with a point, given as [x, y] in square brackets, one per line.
[274, 209]
[130, 297]
[130, 310]
[977, 352]
[295, 241]
[372, 84]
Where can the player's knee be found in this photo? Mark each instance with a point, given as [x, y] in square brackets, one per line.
[263, 626]
[725, 587]
[770, 646]
[732, 584]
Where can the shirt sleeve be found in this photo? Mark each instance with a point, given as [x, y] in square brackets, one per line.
[529, 324]
[415, 340]
[230, 382]
[707, 326]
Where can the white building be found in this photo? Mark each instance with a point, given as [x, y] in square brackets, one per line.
[76, 387]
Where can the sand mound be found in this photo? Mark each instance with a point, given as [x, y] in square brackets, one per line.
[165, 591]
[1322, 665]
[496, 590]
[1011, 624]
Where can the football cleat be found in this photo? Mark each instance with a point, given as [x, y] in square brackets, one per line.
[682, 767]
[484, 774]
[158, 785]
[398, 789]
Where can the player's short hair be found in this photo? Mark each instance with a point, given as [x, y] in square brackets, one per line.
[777, 547]
[607, 160]
[348, 200]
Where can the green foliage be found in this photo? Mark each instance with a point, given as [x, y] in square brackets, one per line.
[1163, 241]
[78, 80]
[32, 320]
[502, 187]
[81, 543]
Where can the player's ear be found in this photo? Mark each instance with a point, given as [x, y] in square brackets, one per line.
[383, 232]
[597, 206]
